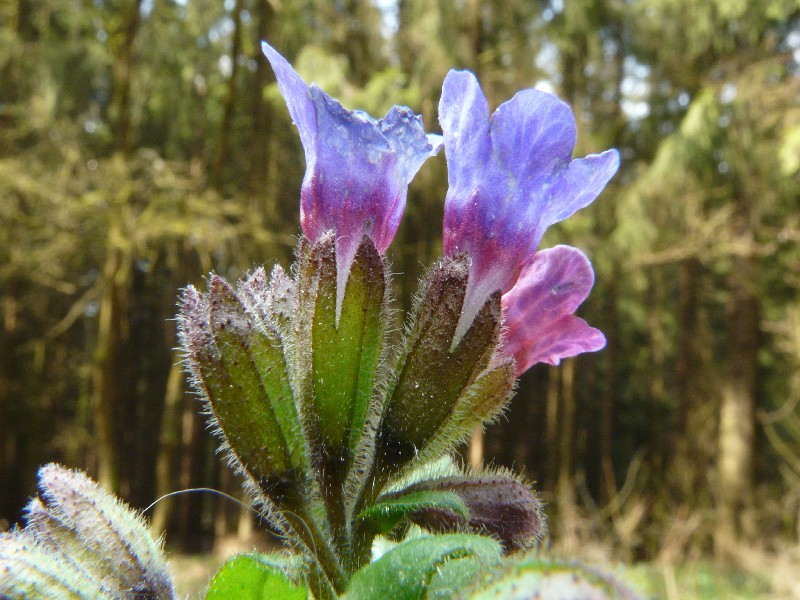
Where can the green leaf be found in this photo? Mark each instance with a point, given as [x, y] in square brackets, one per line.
[253, 577]
[534, 577]
[427, 567]
[388, 512]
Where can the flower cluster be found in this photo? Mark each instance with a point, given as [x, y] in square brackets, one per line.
[511, 175]
[335, 423]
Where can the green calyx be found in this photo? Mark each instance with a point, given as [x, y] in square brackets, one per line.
[440, 393]
[238, 363]
[344, 350]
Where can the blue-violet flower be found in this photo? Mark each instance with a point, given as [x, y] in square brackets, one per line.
[357, 168]
[511, 176]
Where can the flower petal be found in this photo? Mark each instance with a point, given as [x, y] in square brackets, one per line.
[511, 176]
[538, 310]
[580, 184]
[296, 94]
[533, 135]
[357, 168]
[464, 116]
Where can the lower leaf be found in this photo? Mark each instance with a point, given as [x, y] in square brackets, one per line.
[254, 577]
[425, 567]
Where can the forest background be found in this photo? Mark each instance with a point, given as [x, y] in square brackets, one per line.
[143, 143]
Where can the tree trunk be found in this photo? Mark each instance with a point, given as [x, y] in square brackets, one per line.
[737, 413]
[121, 44]
[104, 371]
[10, 465]
[552, 432]
[657, 366]
[609, 488]
[259, 155]
[476, 449]
[694, 446]
[565, 492]
[169, 443]
[223, 138]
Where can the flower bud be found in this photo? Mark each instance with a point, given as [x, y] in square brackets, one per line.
[498, 504]
[237, 359]
[341, 360]
[81, 542]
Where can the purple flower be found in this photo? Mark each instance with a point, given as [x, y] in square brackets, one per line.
[538, 310]
[511, 176]
[357, 168]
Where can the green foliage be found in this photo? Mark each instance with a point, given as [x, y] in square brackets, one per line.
[426, 567]
[387, 513]
[254, 577]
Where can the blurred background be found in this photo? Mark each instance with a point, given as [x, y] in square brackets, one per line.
[143, 143]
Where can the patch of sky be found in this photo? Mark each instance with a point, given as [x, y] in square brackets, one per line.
[547, 62]
[545, 85]
[390, 14]
[556, 7]
[793, 39]
[610, 48]
[225, 65]
[635, 89]
[221, 29]
[728, 93]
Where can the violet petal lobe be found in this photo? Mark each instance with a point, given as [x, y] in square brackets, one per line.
[357, 168]
[297, 95]
[511, 176]
[538, 310]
